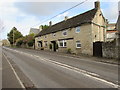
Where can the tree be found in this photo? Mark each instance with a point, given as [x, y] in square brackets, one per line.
[44, 26]
[31, 40]
[13, 35]
[19, 42]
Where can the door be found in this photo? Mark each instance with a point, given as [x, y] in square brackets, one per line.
[97, 49]
[54, 45]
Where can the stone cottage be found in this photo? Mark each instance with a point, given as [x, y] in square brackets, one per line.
[76, 34]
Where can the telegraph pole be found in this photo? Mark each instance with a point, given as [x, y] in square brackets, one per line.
[13, 38]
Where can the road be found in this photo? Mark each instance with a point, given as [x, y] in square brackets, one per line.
[9, 76]
[51, 70]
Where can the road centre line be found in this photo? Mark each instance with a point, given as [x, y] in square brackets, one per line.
[86, 73]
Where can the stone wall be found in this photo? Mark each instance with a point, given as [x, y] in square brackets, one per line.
[110, 50]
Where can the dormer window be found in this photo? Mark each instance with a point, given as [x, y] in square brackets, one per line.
[64, 33]
[77, 29]
[54, 34]
[45, 36]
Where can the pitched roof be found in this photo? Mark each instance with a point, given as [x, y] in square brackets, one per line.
[69, 23]
[34, 30]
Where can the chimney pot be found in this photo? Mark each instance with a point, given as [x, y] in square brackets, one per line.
[66, 17]
[50, 23]
[97, 4]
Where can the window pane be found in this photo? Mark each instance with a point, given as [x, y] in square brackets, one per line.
[78, 44]
[77, 29]
[65, 44]
[64, 32]
[61, 43]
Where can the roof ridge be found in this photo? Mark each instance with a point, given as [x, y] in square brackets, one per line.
[71, 22]
[75, 16]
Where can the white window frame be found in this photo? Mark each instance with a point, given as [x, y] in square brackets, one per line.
[77, 29]
[78, 42]
[63, 42]
[64, 32]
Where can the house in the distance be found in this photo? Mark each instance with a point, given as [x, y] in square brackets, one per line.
[77, 34]
[5, 42]
[34, 31]
[111, 32]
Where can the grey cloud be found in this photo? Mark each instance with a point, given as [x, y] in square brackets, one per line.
[42, 8]
[111, 13]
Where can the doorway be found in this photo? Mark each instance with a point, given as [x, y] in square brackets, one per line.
[97, 49]
[53, 45]
[40, 44]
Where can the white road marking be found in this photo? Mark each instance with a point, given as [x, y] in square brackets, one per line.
[86, 73]
[86, 60]
[15, 73]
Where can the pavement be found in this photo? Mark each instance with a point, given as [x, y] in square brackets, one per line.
[53, 70]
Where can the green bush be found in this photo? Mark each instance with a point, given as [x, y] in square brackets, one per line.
[19, 43]
[69, 50]
[30, 43]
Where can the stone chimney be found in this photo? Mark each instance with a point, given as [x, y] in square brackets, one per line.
[66, 17]
[50, 23]
[97, 4]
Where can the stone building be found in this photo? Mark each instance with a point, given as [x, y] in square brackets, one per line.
[76, 34]
[111, 32]
[5, 42]
[118, 34]
[34, 31]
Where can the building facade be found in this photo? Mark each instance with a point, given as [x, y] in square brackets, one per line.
[34, 31]
[76, 34]
[111, 32]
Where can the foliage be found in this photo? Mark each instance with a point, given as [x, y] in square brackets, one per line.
[69, 50]
[30, 43]
[13, 35]
[30, 40]
[19, 42]
[44, 26]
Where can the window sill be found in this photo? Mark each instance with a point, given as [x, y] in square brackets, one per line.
[62, 47]
[78, 47]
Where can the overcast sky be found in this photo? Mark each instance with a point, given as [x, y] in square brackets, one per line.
[27, 14]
